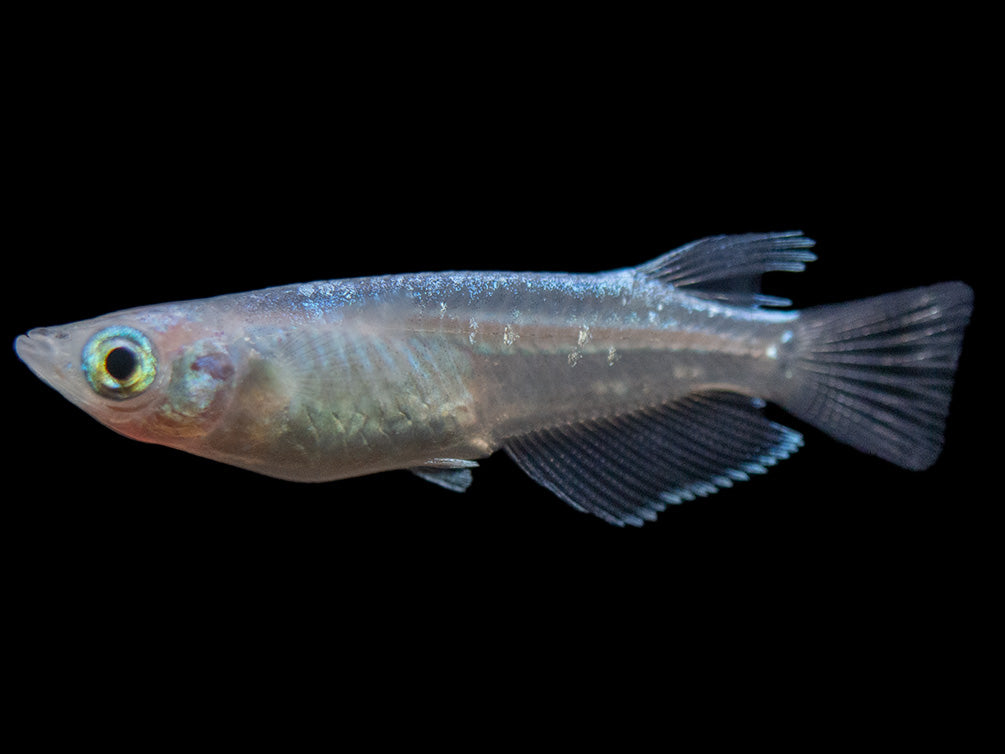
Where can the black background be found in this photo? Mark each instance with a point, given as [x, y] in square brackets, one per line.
[169, 182]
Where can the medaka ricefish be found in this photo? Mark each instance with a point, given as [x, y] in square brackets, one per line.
[620, 391]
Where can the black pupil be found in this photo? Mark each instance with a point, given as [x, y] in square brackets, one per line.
[120, 363]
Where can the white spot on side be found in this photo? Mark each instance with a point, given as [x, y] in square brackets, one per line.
[772, 351]
[443, 309]
[612, 356]
[686, 372]
[473, 328]
[574, 358]
[584, 336]
[786, 336]
[509, 335]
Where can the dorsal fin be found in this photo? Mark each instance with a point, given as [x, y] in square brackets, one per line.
[625, 469]
[729, 268]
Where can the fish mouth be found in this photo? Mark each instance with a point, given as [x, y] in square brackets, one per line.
[39, 349]
[53, 355]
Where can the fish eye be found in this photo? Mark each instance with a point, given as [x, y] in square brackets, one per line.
[119, 362]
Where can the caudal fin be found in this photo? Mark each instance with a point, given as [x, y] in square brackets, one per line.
[877, 374]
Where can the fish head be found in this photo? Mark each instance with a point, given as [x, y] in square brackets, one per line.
[153, 375]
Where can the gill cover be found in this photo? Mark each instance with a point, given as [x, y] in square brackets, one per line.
[198, 389]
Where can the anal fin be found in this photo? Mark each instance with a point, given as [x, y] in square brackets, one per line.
[626, 469]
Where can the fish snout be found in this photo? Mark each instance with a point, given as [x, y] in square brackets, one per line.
[39, 348]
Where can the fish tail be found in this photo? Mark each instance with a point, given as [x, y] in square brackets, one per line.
[877, 374]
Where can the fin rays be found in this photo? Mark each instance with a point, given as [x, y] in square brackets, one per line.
[729, 268]
[878, 373]
[627, 469]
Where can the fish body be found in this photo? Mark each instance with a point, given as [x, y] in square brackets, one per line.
[620, 391]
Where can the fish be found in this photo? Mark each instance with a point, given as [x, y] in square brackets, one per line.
[622, 392]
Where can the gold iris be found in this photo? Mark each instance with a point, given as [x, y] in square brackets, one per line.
[119, 362]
